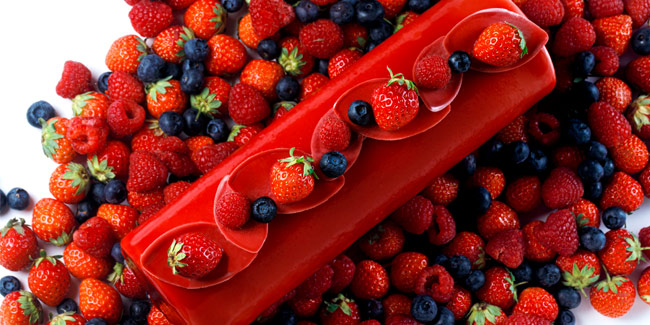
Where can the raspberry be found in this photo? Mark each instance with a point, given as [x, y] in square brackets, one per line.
[607, 60]
[574, 36]
[436, 282]
[605, 8]
[334, 134]
[432, 72]
[524, 194]
[317, 284]
[87, 134]
[173, 144]
[122, 85]
[233, 210]
[246, 105]
[443, 228]
[322, 38]
[149, 18]
[544, 128]
[174, 190]
[146, 172]
[559, 232]
[442, 190]
[178, 164]
[344, 269]
[544, 13]
[415, 215]
[124, 117]
[534, 250]
[507, 247]
[568, 156]
[208, 157]
[561, 188]
[150, 211]
[196, 142]
[142, 200]
[639, 10]
[76, 79]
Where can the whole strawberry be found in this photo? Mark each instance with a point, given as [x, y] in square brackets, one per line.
[614, 32]
[55, 145]
[524, 194]
[269, 16]
[639, 116]
[344, 269]
[579, 270]
[537, 301]
[49, 279]
[67, 318]
[622, 252]
[169, 44]
[499, 288]
[643, 286]
[112, 160]
[574, 36]
[500, 44]
[20, 308]
[90, 104]
[166, 95]
[98, 299]
[396, 103]
[126, 282]
[415, 216]
[608, 125]
[193, 255]
[498, 218]
[486, 314]
[294, 59]
[382, 242]
[316, 284]
[95, 237]
[442, 190]
[208, 157]
[18, 245]
[615, 92]
[631, 156]
[227, 55]
[370, 280]
[622, 191]
[83, 265]
[342, 61]
[405, 269]
[149, 18]
[322, 38]
[340, 311]
[125, 54]
[470, 245]
[613, 297]
[122, 218]
[53, 221]
[637, 73]
[69, 183]
[292, 179]
[233, 210]
[213, 100]
[246, 105]
[205, 18]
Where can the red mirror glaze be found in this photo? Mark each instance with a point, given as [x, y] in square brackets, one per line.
[351, 153]
[438, 99]
[154, 258]
[425, 119]
[252, 178]
[252, 236]
[464, 35]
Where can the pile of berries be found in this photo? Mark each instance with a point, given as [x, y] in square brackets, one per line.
[169, 111]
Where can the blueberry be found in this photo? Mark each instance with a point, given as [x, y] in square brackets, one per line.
[590, 171]
[424, 308]
[548, 275]
[268, 49]
[322, 66]
[3, 201]
[593, 191]
[596, 150]
[9, 284]
[172, 70]
[537, 161]
[583, 64]
[263, 209]
[97, 193]
[102, 81]
[192, 81]
[585, 93]
[360, 113]
[578, 131]
[191, 65]
[67, 305]
[568, 298]
[96, 321]
[116, 253]
[465, 168]
[565, 317]
[519, 152]
[232, 5]
[380, 31]
[196, 50]
[419, 6]
[614, 218]
[475, 280]
[195, 122]
[371, 45]
[459, 266]
[491, 152]
[39, 110]
[523, 273]
[459, 62]
[333, 164]
[286, 316]
[218, 130]
[288, 88]
[444, 317]
[306, 11]
[139, 309]
[369, 11]
[478, 200]
[18, 199]
[342, 12]
[171, 123]
[641, 41]
[115, 191]
[372, 309]
[85, 210]
[151, 68]
[440, 259]
[592, 238]
[608, 168]
[352, 2]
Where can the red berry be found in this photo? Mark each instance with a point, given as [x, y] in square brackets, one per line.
[334, 134]
[122, 85]
[87, 134]
[146, 172]
[194, 255]
[382, 242]
[442, 190]
[544, 128]
[544, 13]
[614, 31]
[638, 73]
[524, 194]
[562, 188]
[432, 72]
[233, 210]
[436, 282]
[443, 227]
[76, 79]
[507, 247]
[317, 284]
[607, 60]
[534, 250]
[95, 237]
[125, 117]
[370, 280]
[246, 105]
[622, 191]
[149, 18]
[415, 216]
[208, 157]
[574, 36]
[405, 270]
[559, 232]
[322, 38]
[344, 269]
[605, 8]
[639, 10]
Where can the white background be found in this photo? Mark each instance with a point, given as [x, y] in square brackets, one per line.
[38, 36]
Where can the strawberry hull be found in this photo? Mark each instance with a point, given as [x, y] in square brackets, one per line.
[386, 174]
